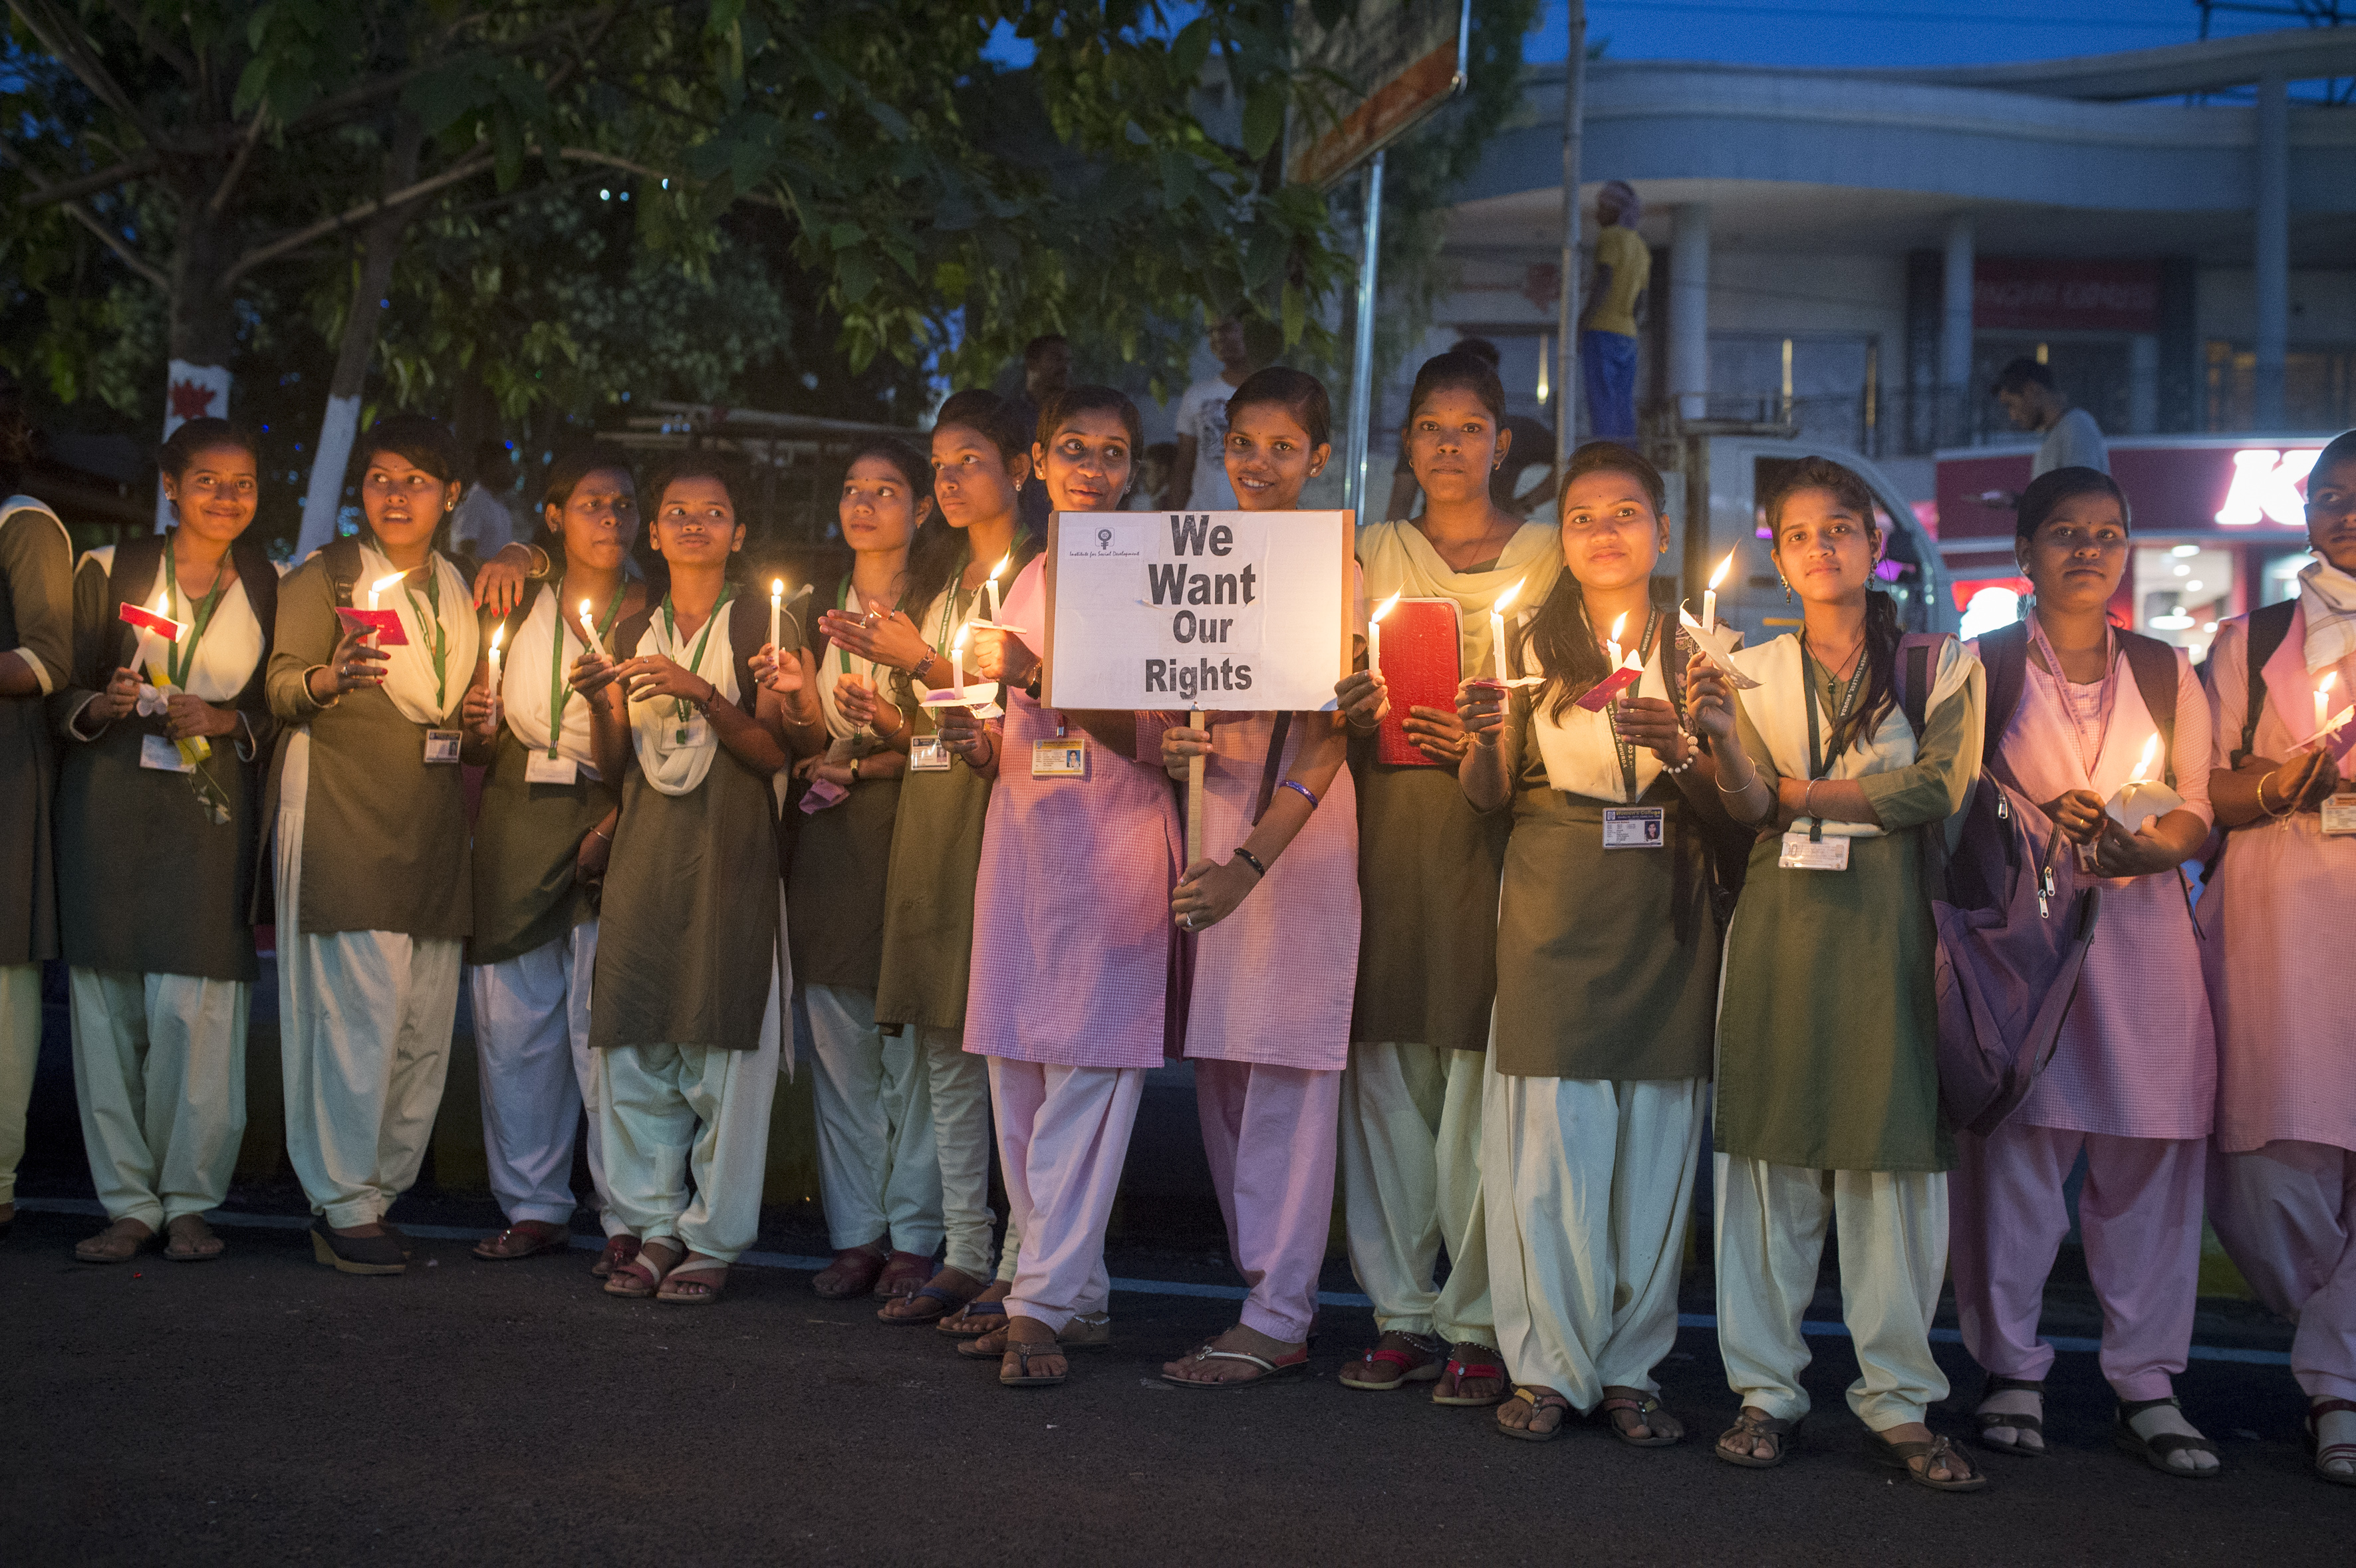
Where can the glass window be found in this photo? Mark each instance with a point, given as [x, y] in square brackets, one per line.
[2182, 592]
[2278, 579]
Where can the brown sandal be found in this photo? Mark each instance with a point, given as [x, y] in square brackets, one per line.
[1752, 1430]
[620, 1250]
[1540, 1401]
[524, 1238]
[188, 1240]
[1644, 1409]
[642, 1277]
[117, 1243]
[903, 1274]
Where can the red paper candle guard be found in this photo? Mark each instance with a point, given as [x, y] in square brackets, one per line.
[386, 624]
[1599, 696]
[161, 626]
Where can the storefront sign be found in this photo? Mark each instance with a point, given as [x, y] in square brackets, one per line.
[2038, 293]
[2174, 485]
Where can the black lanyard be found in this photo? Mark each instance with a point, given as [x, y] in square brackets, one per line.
[1625, 748]
[1818, 765]
[180, 661]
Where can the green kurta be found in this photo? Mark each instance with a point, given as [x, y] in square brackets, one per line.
[1607, 959]
[835, 897]
[149, 881]
[1829, 1025]
[687, 951]
[527, 837]
[385, 845]
[36, 618]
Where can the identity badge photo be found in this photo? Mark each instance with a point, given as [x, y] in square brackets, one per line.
[1062, 756]
[161, 751]
[1802, 853]
[927, 754]
[1633, 827]
[539, 767]
[2339, 813]
[442, 746]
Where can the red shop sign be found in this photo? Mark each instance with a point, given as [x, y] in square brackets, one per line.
[2038, 294]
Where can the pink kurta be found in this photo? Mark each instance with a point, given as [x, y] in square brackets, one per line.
[2138, 1056]
[2277, 917]
[1072, 931]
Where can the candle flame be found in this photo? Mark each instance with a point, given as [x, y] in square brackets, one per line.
[381, 583]
[960, 643]
[1004, 562]
[1619, 625]
[2151, 755]
[777, 588]
[498, 635]
[1723, 568]
[1384, 607]
[1506, 598]
[2324, 685]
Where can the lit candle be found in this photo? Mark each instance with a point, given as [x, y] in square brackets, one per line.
[777, 607]
[956, 659]
[151, 645]
[1497, 627]
[2143, 764]
[498, 635]
[1374, 634]
[2323, 700]
[381, 585]
[1709, 594]
[1004, 562]
[589, 631]
[1619, 625]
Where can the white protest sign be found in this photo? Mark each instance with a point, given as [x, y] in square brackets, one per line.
[1224, 610]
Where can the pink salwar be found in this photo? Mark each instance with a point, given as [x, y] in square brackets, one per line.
[1269, 1133]
[1063, 1135]
[2286, 1214]
[2139, 1215]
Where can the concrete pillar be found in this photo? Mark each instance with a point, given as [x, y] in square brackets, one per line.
[2272, 248]
[1689, 309]
[2143, 383]
[1956, 332]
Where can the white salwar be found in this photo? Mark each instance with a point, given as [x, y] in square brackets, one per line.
[669, 1111]
[531, 1042]
[1410, 1162]
[159, 1072]
[1586, 1188]
[879, 1174]
[1893, 1259]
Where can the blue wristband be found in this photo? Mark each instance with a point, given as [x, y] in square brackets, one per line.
[1303, 790]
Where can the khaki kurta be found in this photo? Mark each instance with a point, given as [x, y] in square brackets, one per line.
[527, 837]
[36, 621]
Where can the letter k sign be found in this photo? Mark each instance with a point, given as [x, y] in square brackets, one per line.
[2265, 486]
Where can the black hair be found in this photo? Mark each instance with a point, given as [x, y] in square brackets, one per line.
[195, 436]
[1479, 348]
[2018, 375]
[1570, 655]
[422, 442]
[2342, 449]
[1297, 392]
[1883, 631]
[577, 463]
[933, 548]
[2053, 487]
[690, 466]
[1085, 399]
[1458, 371]
[990, 415]
[15, 434]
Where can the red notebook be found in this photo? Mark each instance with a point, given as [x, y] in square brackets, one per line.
[1422, 661]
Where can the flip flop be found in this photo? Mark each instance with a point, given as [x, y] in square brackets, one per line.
[1537, 1399]
[642, 1277]
[1646, 1407]
[1423, 1366]
[185, 1238]
[1269, 1371]
[1024, 1377]
[959, 1324]
[1460, 1368]
[536, 1236]
[710, 1270]
[620, 1250]
[950, 1301]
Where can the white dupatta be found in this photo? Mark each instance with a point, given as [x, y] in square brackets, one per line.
[671, 766]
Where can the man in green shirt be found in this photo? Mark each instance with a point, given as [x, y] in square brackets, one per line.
[1606, 328]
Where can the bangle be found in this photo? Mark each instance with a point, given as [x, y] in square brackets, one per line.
[1741, 788]
[1807, 795]
[601, 833]
[1675, 768]
[2269, 811]
[1248, 858]
[1303, 790]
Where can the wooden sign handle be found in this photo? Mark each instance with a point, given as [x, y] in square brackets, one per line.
[1194, 794]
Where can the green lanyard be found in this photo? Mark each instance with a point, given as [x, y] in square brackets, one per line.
[430, 614]
[949, 600]
[842, 602]
[558, 690]
[695, 662]
[1627, 748]
[181, 659]
[1817, 765]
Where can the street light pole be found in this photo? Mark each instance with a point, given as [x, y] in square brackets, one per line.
[1566, 383]
[1362, 360]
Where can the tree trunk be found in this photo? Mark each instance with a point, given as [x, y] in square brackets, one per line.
[203, 320]
[380, 246]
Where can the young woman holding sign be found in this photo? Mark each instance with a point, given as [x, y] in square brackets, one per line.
[1072, 927]
[2282, 1177]
[155, 847]
[368, 818]
[688, 1013]
[982, 464]
[1427, 869]
[1268, 1026]
[543, 832]
[1827, 1103]
[1607, 973]
[2133, 1083]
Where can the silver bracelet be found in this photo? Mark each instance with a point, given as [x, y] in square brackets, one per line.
[1745, 789]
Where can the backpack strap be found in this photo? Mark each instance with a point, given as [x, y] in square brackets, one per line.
[138, 564]
[342, 557]
[2266, 627]
[1915, 676]
[2153, 663]
[2003, 654]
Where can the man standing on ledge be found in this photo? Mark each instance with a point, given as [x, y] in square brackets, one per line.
[1607, 329]
[2031, 400]
[1198, 478]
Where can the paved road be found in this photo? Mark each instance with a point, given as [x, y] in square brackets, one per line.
[262, 1410]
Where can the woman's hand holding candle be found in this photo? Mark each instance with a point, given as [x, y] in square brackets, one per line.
[356, 662]
[784, 673]
[1000, 656]
[1436, 734]
[1481, 710]
[478, 712]
[1709, 700]
[864, 707]
[593, 672]
[891, 640]
[1364, 698]
[119, 701]
[193, 718]
[1653, 724]
[2079, 813]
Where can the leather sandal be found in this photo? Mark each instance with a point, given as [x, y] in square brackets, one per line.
[1938, 1451]
[853, 1271]
[1644, 1410]
[117, 1243]
[2328, 1452]
[1023, 1377]
[1539, 1401]
[620, 1250]
[642, 1277]
[1752, 1430]
[2154, 1450]
[710, 1273]
[1398, 1358]
[1465, 1363]
[948, 1300]
[188, 1240]
[524, 1238]
[2018, 1422]
[974, 1319]
[1269, 1371]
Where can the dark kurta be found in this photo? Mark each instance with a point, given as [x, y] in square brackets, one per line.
[527, 839]
[385, 845]
[36, 615]
[149, 881]
[1607, 959]
[834, 900]
[1429, 866]
[687, 947]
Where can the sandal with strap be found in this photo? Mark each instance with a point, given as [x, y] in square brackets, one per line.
[949, 1298]
[1464, 1365]
[117, 1243]
[2017, 1421]
[1396, 1359]
[710, 1272]
[1644, 1410]
[524, 1238]
[2330, 1453]
[642, 1277]
[1753, 1429]
[1938, 1451]
[1269, 1371]
[853, 1271]
[188, 1240]
[1540, 1401]
[2155, 1450]
[620, 1250]
[903, 1274]
[961, 1324]
[1023, 1377]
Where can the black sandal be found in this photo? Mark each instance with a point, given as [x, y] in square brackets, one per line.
[357, 1255]
[2154, 1451]
[1776, 1429]
[1985, 1419]
[1938, 1451]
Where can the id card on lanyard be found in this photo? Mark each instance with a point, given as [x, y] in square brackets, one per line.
[1632, 826]
[441, 744]
[550, 767]
[1811, 851]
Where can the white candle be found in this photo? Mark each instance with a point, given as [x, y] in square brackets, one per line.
[1004, 562]
[957, 660]
[1709, 594]
[2323, 700]
[1374, 634]
[150, 654]
[381, 585]
[1497, 628]
[499, 634]
[589, 631]
[777, 607]
[1618, 626]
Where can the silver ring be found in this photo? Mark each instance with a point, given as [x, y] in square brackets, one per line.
[1187, 919]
